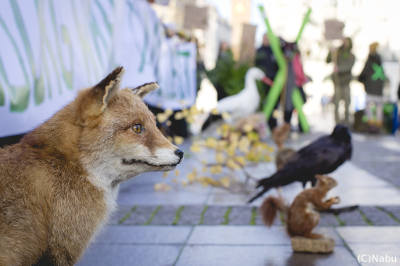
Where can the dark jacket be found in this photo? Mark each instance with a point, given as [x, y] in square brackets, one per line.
[344, 61]
[372, 76]
[265, 60]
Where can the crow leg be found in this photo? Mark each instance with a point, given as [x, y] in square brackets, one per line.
[313, 181]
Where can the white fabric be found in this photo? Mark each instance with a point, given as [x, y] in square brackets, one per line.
[50, 49]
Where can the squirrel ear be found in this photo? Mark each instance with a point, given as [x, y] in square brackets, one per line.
[319, 177]
[108, 87]
[142, 90]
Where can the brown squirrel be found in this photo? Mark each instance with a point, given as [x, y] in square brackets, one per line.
[301, 216]
[283, 156]
[280, 135]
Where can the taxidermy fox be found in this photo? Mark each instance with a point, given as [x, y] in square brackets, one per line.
[59, 184]
[302, 216]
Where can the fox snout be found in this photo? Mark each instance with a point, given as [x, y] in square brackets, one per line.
[179, 153]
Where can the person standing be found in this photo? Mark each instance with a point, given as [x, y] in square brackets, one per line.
[343, 60]
[373, 78]
[265, 60]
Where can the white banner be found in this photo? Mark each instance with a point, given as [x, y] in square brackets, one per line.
[50, 49]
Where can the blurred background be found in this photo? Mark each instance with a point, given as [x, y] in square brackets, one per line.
[50, 50]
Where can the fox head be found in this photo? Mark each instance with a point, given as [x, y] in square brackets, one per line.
[326, 182]
[119, 137]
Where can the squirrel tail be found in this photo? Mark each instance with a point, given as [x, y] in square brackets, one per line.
[270, 207]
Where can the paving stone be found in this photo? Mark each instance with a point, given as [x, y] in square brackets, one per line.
[127, 255]
[239, 235]
[352, 218]
[240, 215]
[395, 210]
[214, 215]
[143, 234]
[377, 217]
[199, 255]
[191, 215]
[327, 219]
[140, 216]
[165, 215]
[380, 161]
[370, 234]
[369, 254]
[259, 220]
[120, 213]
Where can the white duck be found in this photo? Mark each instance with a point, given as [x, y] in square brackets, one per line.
[247, 100]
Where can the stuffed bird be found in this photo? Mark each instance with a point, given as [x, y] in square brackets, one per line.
[247, 100]
[322, 156]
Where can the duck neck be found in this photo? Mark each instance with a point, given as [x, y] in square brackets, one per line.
[250, 83]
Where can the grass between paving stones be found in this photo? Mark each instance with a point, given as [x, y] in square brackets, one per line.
[391, 215]
[202, 214]
[226, 216]
[178, 215]
[365, 218]
[340, 221]
[127, 215]
[152, 215]
[253, 216]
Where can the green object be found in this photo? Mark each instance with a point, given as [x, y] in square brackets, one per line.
[2, 96]
[378, 72]
[19, 95]
[228, 74]
[183, 53]
[281, 76]
[298, 104]
[388, 108]
[305, 21]
[38, 83]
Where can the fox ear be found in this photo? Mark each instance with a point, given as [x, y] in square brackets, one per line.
[108, 87]
[142, 90]
[319, 177]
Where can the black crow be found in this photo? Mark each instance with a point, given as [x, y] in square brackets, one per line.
[322, 156]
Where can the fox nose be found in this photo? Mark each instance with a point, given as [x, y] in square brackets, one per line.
[179, 153]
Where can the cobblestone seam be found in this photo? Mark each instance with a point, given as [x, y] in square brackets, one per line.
[226, 216]
[178, 215]
[202, 214]
[127, 215]
[152, 215]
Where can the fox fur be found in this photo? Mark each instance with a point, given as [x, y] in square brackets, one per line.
[301, 216]
[59, 184]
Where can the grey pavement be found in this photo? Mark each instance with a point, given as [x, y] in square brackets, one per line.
[206, 245]
[198, 225]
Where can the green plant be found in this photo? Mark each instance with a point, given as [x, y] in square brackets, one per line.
[228, 74]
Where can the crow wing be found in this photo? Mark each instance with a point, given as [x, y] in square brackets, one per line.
[320, 157]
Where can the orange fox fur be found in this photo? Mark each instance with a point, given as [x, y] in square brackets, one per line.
[301, 217]
[59, 184]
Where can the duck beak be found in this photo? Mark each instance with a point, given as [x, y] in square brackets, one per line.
[267, 81]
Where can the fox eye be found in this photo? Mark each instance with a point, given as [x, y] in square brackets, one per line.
[137, 128]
